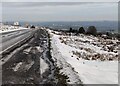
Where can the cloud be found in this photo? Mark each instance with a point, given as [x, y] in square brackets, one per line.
[60, 0]
[59, 11]
[40, 4]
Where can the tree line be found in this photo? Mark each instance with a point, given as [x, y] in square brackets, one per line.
[91, 30]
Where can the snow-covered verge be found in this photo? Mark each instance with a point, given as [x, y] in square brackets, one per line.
[86, 58]
[64, 66]
[11, 28]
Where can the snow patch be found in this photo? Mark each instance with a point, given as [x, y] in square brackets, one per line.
[43, 66]
[17, 66]
[39, 49]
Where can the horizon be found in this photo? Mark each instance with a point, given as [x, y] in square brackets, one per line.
[58, 21]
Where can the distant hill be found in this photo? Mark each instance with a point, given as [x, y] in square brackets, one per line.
[100, 25]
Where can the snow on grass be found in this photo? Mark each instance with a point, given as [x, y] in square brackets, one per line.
[92, 48]
[99, 70]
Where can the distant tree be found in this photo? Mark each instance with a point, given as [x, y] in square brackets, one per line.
[92, 30]
[70, 29]
[109, 35]
[81, 30]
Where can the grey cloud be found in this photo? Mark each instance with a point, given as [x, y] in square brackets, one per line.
[38, 4]
[61, 11]
[60, 0]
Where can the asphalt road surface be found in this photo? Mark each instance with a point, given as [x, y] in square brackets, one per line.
[23, 64]
[10, 38]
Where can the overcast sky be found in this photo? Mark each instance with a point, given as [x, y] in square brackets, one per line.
[60, 0]
[12, 10]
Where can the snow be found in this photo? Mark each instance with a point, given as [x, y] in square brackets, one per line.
[92, 72]
[26, 51]
[23, 66]
[88, 71]
[28, 66]
[11, 28]
[17, 66]
[66, 68]
[39, 49]
[43, 66]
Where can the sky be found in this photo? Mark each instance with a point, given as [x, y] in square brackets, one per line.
[39, 11]
[60, 0]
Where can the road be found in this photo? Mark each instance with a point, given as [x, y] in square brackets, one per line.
[22, 64]
[10, 38]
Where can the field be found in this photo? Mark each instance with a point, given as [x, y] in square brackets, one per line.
[86, 58]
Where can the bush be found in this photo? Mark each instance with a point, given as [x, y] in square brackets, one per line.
[92, 30]
[99, 33]
[107, 33]
[118, 36]
[70, 29]
[81, 30]
[32, 26]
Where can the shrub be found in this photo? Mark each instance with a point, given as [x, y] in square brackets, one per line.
[81, 30]
[92, 30]
[70, 29]
[32, 26]
[99, 33]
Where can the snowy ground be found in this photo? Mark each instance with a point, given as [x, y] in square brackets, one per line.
[43, 68]
[93, 60]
